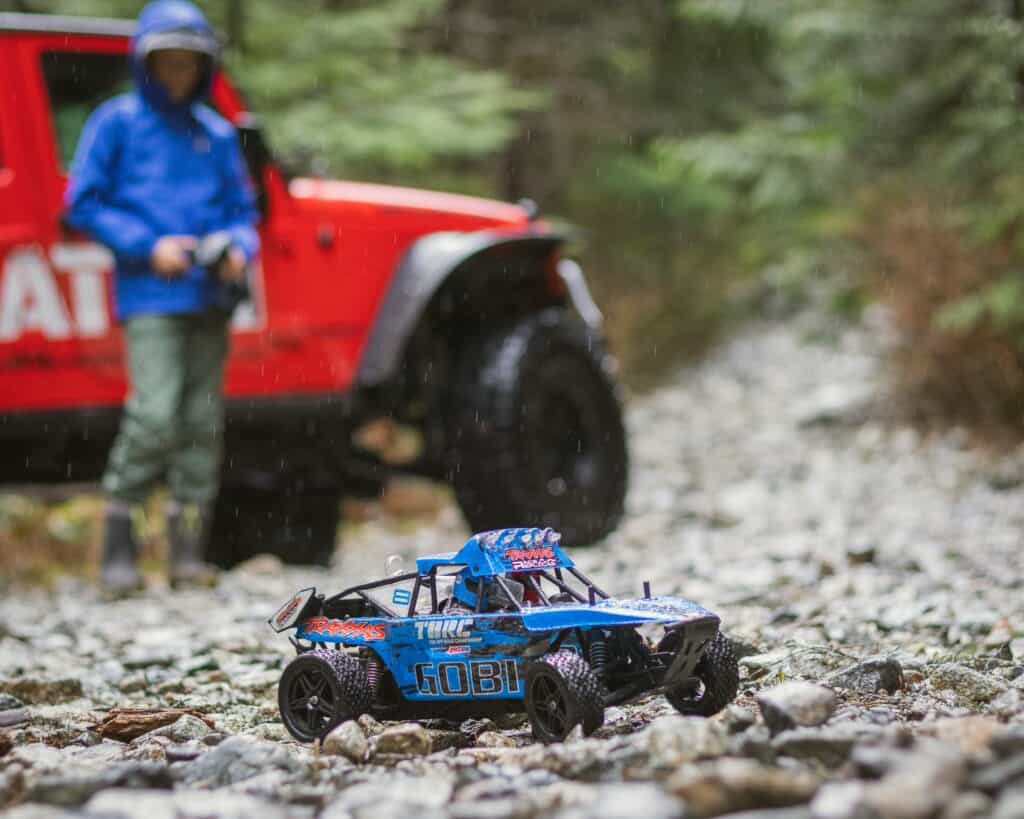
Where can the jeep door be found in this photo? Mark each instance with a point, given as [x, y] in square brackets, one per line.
[70, 75]
[55, 344]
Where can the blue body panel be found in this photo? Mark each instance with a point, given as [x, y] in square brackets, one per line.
[472, 655]
[614, 612]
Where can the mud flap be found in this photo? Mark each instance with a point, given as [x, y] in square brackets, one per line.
[693, 636]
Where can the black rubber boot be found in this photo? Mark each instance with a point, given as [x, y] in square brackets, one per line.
[187, 530]
[119, 574]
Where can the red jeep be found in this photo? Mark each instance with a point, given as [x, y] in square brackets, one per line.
[452, 315]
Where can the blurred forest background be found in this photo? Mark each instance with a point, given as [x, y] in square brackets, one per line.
[714, 156]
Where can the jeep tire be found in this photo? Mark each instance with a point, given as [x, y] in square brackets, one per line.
[561, 692]
[321, 689]
[535, 431]
[298, 528]
[718, 680]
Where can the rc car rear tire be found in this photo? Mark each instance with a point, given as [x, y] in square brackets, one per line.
[536, 433]
[718, 672]
[562, 692]
[321, 689]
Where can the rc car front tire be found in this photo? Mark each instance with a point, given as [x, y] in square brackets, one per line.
[536, 433]
[718, 672]
[320, 690]
[562, 692]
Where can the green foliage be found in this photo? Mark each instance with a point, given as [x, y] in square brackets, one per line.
[702, 145]
[1000, 304]
[344, 86]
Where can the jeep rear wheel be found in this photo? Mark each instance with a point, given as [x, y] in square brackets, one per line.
[536, 434]
[296, 528]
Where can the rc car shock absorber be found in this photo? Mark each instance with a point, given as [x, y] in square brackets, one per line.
[372, 669]
[598, 653]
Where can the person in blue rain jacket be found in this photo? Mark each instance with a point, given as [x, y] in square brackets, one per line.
[155, 171]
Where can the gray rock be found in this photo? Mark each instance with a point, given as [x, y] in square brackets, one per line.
[40, 690]
[1009, 742]
[441, 740]
[729, 785]
[187, 728]
[967, 805]
[36, 812]
[237, 759]
[394, 796]
[347, 740]
[494, 739]
[184, 752]
[7, 702]
[124, 804]
[869, 676]
[671, 741]
[796, 703]
[475, 727]
[1006, 772]
[972, 686]
[77, 787]
[612, 801]
[841, 800]
[1007, 704]
[829, 746]
[798, 812]
[12, 785]
[738, 719]
[1009, 805]
[409, 739]
[13, 716]
[370, 726]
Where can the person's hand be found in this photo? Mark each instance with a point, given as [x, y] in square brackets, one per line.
[232, 269]
[170, 255]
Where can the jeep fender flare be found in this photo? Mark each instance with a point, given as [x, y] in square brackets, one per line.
[433, 260]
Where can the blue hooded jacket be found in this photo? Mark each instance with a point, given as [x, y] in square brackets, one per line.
[146, 167]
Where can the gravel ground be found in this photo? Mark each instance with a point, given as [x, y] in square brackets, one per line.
[871, 581]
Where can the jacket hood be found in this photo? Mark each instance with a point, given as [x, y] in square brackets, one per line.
[172, 24]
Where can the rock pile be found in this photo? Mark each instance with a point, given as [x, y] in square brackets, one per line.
[871, 581]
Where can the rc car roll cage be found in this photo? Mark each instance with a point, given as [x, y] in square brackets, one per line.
[429, 581]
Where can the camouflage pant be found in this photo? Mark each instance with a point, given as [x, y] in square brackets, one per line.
[173, 422]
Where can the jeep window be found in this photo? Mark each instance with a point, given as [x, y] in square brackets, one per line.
[77, 83]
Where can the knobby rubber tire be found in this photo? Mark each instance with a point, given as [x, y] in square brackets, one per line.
[719, 671]
[578, 687]
[535, 430]
[350, 690]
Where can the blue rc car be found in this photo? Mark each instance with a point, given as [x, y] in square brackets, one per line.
[505, 624]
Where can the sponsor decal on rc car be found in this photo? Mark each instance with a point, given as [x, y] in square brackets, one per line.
[481, 678]
[542, 558]
[451, 629]
[368, 632]
[289, 609]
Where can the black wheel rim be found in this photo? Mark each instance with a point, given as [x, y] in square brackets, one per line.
[309, 705]
[551, 710]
